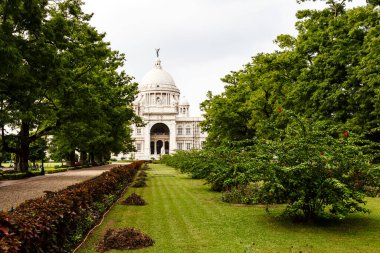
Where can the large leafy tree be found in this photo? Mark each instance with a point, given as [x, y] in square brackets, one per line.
[227, 115]
[329, 72]
[59, 77]
[27, 63]
[340, 83]
[94, 104]
[248, 106]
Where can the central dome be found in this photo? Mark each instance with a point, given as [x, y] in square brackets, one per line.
[158, 79]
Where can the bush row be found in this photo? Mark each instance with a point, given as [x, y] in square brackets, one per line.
[58, 221]
[222, 167]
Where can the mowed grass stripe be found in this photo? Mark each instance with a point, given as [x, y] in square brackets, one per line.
[183, 215]
[181, 212]
[158, 221]
[178, 216]
[204, 220]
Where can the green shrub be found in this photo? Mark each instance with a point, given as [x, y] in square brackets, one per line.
[222, 167]
[318, 175]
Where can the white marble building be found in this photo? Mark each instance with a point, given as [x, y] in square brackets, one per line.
[168, 126]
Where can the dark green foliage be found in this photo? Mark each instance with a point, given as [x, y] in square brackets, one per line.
[57, 222]
[124, 239]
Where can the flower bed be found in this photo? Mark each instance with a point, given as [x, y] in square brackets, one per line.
[57, 222]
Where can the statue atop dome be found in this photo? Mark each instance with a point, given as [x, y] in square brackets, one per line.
[158, 52]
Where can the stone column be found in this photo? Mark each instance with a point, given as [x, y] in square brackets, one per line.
[147, 141]
[172, 137]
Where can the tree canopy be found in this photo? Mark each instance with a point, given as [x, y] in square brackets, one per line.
[329, 72]
[59, 77]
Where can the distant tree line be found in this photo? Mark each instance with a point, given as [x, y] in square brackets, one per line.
[59, 78]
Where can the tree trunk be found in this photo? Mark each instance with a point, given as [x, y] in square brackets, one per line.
[72, 158]
[98, 158]
[83, 157]
[107, 157]
[23, 156]
[16, 163]
[92, 158]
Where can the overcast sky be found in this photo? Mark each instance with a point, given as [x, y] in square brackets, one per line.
[200, 40]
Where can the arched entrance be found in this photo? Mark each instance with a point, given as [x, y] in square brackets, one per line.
[159, 139]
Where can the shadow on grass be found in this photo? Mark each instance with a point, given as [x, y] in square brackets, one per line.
[352, 224]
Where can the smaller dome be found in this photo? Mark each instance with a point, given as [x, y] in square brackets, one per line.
[183, 101]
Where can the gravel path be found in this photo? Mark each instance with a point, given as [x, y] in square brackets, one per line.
[14, 192]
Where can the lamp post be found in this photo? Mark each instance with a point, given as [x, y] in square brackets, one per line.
[42, 166]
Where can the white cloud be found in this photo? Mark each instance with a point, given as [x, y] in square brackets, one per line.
[201, 40]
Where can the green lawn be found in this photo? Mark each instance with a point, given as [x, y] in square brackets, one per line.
[183, 215]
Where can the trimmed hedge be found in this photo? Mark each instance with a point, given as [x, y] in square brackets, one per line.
[57, 222]
[52, 171]
[22, 175]
[19, 175]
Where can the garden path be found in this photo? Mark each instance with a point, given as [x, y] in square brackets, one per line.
[14, 192]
